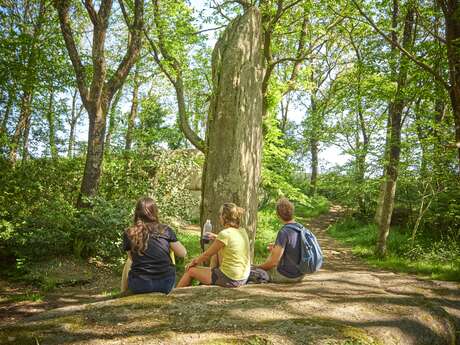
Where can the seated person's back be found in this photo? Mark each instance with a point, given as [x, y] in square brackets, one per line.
[235, 254]
[290, 240]
[149, 244]
[281, 265]
[231, 252]
[155, 260]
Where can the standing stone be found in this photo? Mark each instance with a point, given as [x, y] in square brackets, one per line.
[232, 165]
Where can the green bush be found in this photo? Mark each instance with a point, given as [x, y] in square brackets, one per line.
[36, 207]
[38, 217]
[98, 230]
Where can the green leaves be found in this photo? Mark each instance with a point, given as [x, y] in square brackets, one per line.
[277, 171]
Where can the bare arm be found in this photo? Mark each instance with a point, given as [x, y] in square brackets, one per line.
[212, 250]
[178, 249]
[273, 259]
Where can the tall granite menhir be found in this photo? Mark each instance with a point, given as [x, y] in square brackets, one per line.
[234, 130]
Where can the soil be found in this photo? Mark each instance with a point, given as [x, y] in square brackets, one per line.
[347, 303]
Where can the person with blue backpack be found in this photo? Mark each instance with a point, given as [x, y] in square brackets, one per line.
[295, 253]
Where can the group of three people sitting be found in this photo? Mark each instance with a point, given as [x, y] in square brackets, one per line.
[149, 243]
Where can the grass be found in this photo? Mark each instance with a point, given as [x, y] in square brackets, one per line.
[436, 259]
[112, 293]
[28, 296]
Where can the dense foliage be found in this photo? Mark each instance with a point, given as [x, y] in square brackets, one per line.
[359, 105]
[40, 220]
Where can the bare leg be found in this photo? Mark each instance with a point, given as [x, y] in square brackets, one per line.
[202, 274]
[124, 277]
[219, 257]
[214, 261]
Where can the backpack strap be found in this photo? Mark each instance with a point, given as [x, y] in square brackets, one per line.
[302, 231]
[293, 226]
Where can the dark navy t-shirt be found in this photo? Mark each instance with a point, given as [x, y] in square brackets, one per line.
[155, 261]
[289, 239]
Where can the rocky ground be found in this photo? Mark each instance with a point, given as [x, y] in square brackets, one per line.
[345, 303]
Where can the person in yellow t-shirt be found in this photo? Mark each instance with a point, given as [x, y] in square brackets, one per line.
[231, 246]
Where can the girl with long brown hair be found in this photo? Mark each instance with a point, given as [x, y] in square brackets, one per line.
[232, 247]
[148, 243]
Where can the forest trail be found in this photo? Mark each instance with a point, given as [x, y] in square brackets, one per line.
[347, 303]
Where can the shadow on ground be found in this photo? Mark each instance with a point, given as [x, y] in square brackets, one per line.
[345, 303]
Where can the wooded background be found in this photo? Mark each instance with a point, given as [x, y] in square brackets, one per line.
[102, 102]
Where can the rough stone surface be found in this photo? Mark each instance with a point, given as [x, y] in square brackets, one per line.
[345, 303]
[234, 132]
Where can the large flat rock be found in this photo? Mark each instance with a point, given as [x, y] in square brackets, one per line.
[345, 303]
[350, 307]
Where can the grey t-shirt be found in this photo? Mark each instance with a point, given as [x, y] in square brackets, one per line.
[289, 239]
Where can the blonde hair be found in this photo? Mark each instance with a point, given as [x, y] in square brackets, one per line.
[231, 214]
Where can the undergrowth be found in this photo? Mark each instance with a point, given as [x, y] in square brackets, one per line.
[434, 258]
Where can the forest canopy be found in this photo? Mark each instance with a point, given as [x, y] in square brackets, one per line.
[102, 102]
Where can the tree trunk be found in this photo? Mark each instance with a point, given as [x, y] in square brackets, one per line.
[51, 123]
[133, 112]
[284, 113]
[234, 130]
[97, 97]
[4, 140]
[452, 20]
[394, 41]
[23, 126]
[112, 118]
[395, 112]
[362, 147]
[23, 120]
[73, 122]
[389, 185]
[174, 76]
[314, 141]
[94, 155]
[314, 164]
[6, 115]
[26, 137]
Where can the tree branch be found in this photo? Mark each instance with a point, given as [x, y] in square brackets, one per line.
[177, 81]
[300, 50]
[205, 30]
[63, 12]
[134, 47]
[435, 35]
[243, 3]
[287, 7]
[105, 9]
[91, 11]
[396, 44]
[156, 57]
[125, 14]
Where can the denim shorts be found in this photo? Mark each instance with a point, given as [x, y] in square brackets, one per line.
[220, 279]
[146, 284]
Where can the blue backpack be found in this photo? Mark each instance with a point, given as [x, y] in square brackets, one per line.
[311, 256]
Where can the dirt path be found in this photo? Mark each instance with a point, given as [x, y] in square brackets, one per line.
[345, 303]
